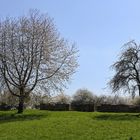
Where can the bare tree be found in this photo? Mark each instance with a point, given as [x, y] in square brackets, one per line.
[127, 68]
[33, 56]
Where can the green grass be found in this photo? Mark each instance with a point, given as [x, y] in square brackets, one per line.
[45, 125]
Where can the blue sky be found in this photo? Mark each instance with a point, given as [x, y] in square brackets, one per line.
[99, 28]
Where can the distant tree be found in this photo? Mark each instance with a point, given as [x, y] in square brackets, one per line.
[7, 98]
[127, 70]
[100, 100]
[113, 100]
[62, 99]
[33, 56]
[35, 100]
[83, 96]
[136, 101]
[45, 99]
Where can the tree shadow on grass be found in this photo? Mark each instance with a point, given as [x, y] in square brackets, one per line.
[13, 117]
[118, 117]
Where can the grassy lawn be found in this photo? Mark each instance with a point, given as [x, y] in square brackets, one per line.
[45, 125]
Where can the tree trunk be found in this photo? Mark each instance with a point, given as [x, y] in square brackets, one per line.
[21, 104]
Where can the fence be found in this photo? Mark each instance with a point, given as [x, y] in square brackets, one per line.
[5, 107]
[90, 107]
[55, 107]
[83, 107]
[67, 107]
[117, 108]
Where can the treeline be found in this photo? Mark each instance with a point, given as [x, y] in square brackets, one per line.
[82, 100]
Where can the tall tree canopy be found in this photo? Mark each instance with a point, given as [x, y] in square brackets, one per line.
[33, 56]
[127, 70]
